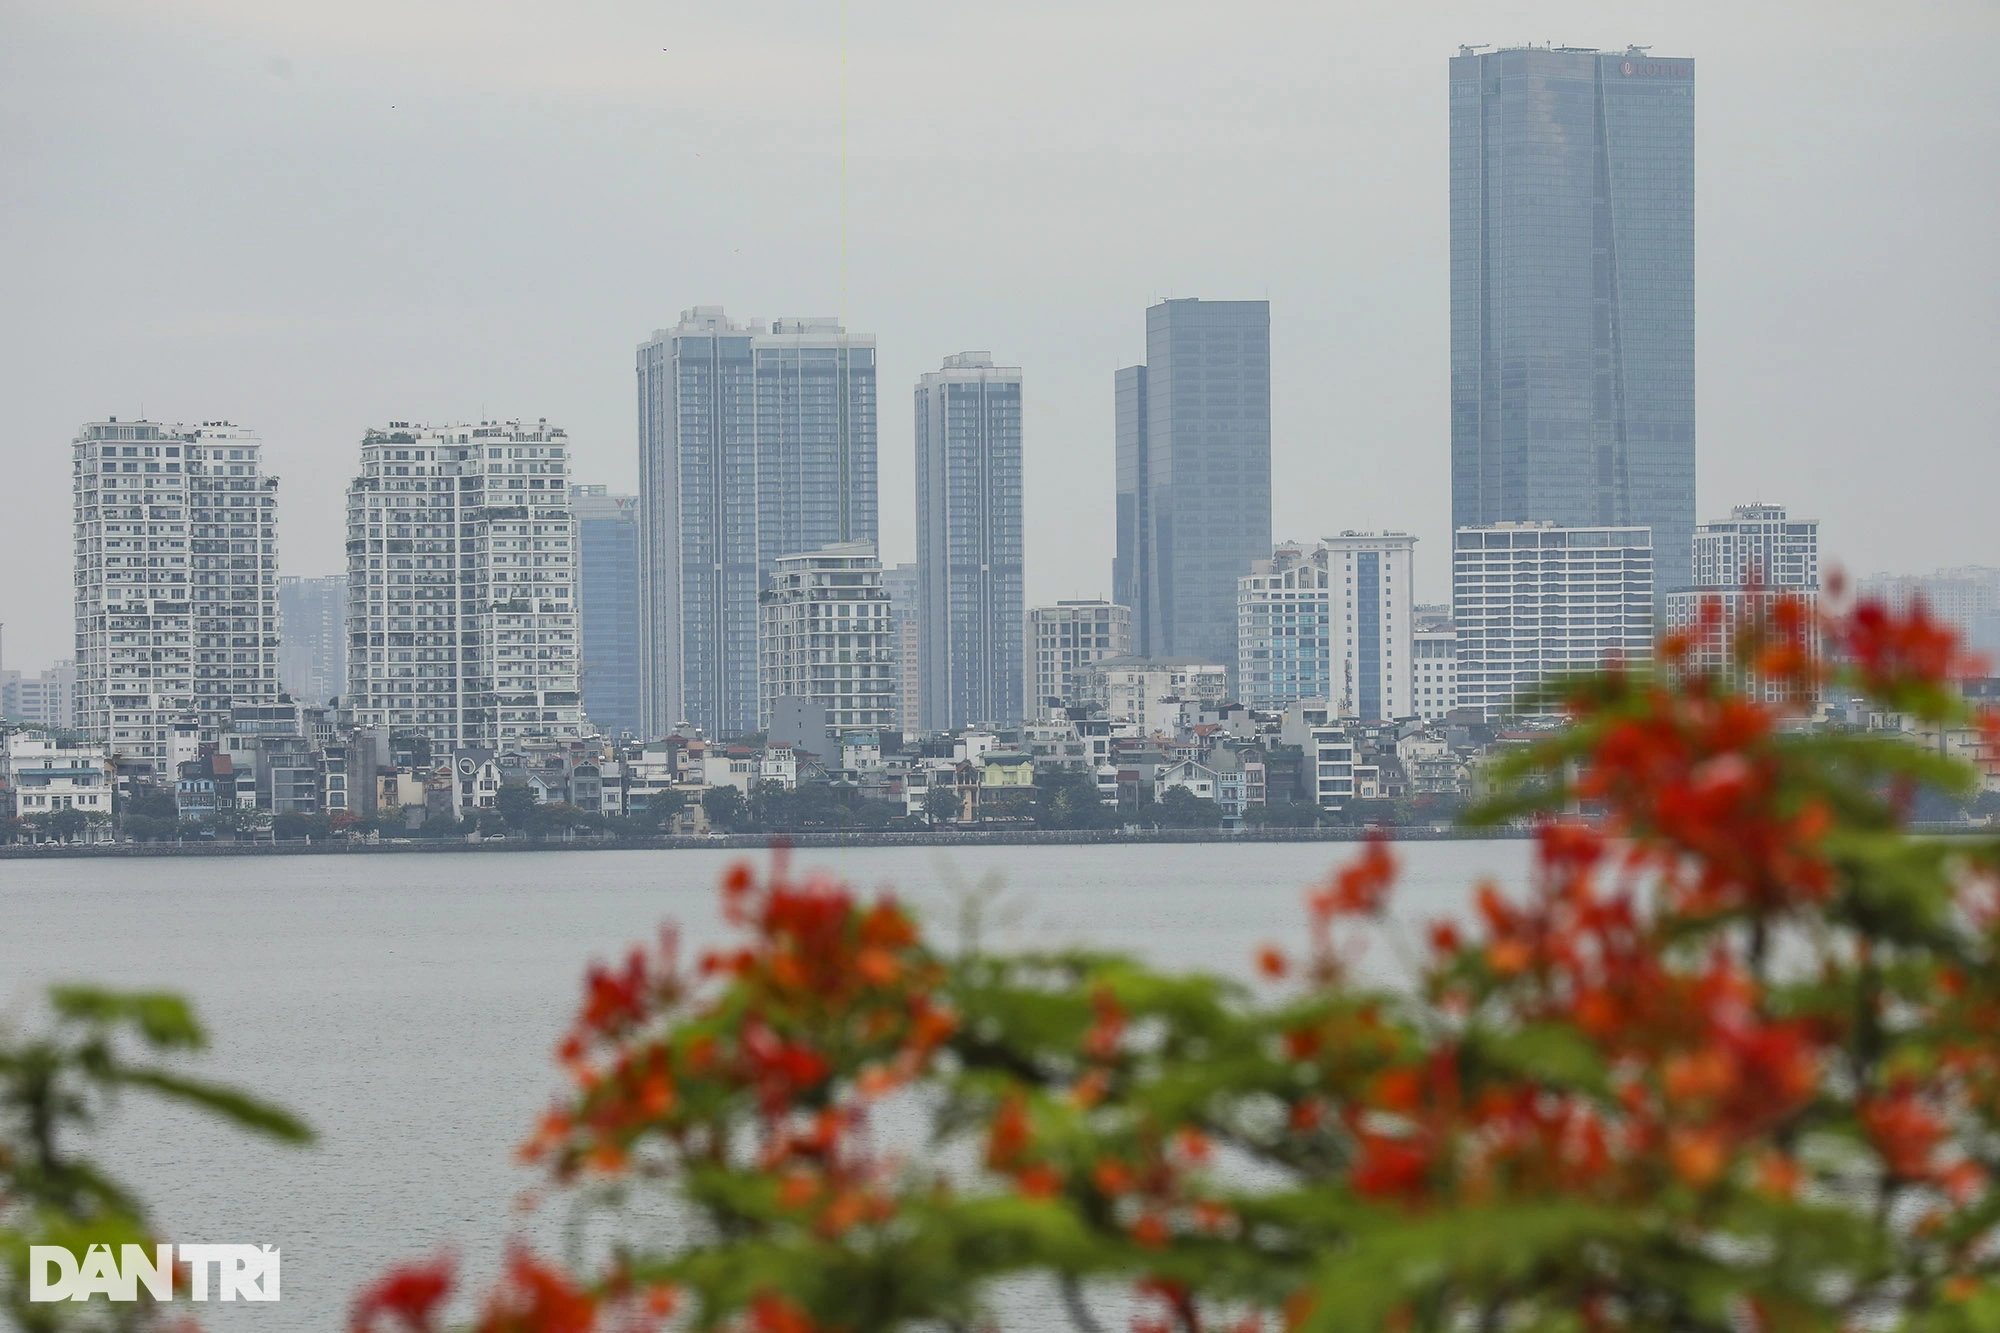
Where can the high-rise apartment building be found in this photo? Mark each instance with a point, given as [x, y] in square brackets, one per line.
[1194, 474]
[826, 638]
[1531, 601]
[1330, 622]
[607, 541]
[906, 643]
[312, 637]
[1743, 565]
[1064, 642]
[176, 574]
[46, 699]
[1572, 293]
[461, 584]
[756, 440]
[969, 594]
[1434, 672]
[1966, 597]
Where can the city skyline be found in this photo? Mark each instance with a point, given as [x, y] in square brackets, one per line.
[1318, 184]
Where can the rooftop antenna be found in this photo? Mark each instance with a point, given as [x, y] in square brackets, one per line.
[1473, 48]
[1637, 50]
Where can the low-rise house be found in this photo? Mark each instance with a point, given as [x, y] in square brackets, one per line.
[45, 772]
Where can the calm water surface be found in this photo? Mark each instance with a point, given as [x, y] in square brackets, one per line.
[407, 1005]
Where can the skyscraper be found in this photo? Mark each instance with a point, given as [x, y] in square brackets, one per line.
[461, 584]
[756, 440]
[827, 639]
[1194, 474]
[1572, 293]
[1064, 641]
[969, 594]
[906, 646]
[1743, 566]
[176, 575]
[1331, 622]
[312, 637]
[607, 540]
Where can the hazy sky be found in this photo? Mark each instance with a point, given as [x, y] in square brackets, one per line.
[308, 218]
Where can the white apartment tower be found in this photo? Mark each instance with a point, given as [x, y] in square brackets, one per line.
[1064, 642]
[176, 572]
[827, 636]
[1531, 601]
[461, 584]
[1330, 622]
[1744, 564]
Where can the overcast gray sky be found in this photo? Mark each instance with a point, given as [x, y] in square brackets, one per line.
[311, 217]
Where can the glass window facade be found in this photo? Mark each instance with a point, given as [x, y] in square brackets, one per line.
[1572, 293]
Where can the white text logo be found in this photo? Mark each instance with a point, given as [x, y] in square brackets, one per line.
[243, 1272]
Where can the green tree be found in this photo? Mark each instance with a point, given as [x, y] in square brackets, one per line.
[57, 1086]
[1282, 814]
[726, 809]
[515, 801]
[1181, 808]
[1068, 799]
[942, 804]
[64, 825]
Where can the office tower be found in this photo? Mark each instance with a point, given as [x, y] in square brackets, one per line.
[1329, 622]
[969, 597]
[461, 584]
[176, 581]
[756, 440]
[1194, 474]
[1532, 600]
[1572, 293]
[1743, 565]
[1065, 641]
[46, 699]
[312, 637]
[906, 643]
[607, 539]
[1284, 617]
[826, 638]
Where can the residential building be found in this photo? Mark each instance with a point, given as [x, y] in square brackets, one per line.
[826, 638]
[969, 597]
[906, 646]
[756, 440]
[1193, 474]
[607, 542]
[1434, 672]
[1332, 622]
[312, 637]
[1149, 691]
[45, 699]
[1064, 641]
[1284, 617]
[1572, 293]
[41, 773]
[176, 569]
[1744, 565]
[1966, 597]
[1531, 601]
[461, 584]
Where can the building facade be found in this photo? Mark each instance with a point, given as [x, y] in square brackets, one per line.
[1193, 505]
[1149, 691]
[969, 592]
[607, 543]
[1572, 293]
[1332, 622]
[1966, 597]
[1064, 642]
[176, 581]
[1531, 601]
[1744, 565]
[1284, 618]
[1434, 672]
[906, 647]
[827, 639]
[756, 440]
[461, 584]
[312, 637]
[45, 699]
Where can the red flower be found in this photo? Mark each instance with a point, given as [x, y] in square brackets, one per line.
[410, 1295]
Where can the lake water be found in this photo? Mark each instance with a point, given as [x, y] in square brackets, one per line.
[407, 1005]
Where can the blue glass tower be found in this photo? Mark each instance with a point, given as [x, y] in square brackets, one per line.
[607, 531]
[1572, 293]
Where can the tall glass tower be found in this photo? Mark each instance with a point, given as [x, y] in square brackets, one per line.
[969, 595]
[1194, 474]
[756, 440]
[607, 549]
[1572, 293]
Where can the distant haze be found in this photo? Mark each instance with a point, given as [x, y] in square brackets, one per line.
[311, 218]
